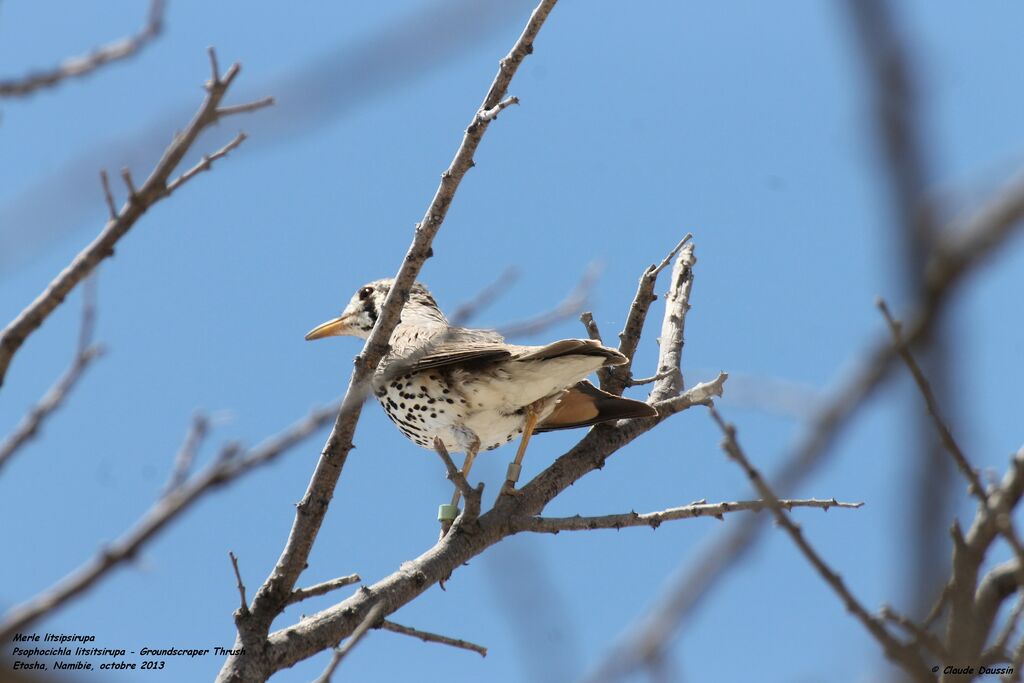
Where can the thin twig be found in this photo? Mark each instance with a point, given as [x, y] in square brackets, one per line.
[244, 609]
[81, 66]
[108, 195]
[140, 200]
[126, 176]
[186, 454]
[300, 594]
[987, 505]
[247, 107]
[342, 650]
[894, 649]
[587, 318]
[493, 112]
[164, 510]
[977, 488]
[207, 161]
[428, 637]
[553, 525]
[86, 352]
[649, 380]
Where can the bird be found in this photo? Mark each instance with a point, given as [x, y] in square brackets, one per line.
[470, 389]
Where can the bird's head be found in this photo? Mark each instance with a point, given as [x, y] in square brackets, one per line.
[363, 309]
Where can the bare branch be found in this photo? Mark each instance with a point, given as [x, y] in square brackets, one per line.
[897, 651]
[966, 246]
[428, 637]
[291, 644]
[140, 200]
[261, 659]
[324, 587]
[553, 525]
[76, 67]
[698, 394]
[629, 338]
[342, 651]
[163, 512]
[241, 585]
[55, 396]
[977, 488]
[677, 305]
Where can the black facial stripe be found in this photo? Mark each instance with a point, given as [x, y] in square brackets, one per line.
[371, 311]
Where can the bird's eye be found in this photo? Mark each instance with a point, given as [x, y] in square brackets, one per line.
[365, 292]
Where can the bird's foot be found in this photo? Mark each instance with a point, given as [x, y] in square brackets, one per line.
[511, 478]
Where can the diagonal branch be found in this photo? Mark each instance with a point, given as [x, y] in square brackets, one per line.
[230, 465]
[139, 201]
[342, 651]
[897, 651]
[53, 399]
[273, 596]
[553, 525]
[967, 244]
[289, 645]
[428, 637]
[84, 65]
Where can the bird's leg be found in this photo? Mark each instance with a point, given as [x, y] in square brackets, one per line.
[516, 466]
[470, 457]
[448, 513]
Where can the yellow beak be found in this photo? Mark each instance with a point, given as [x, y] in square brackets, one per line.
[337, 327]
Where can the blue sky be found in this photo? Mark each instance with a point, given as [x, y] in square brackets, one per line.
[745, 123]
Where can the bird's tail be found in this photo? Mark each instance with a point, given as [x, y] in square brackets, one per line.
[584, 405]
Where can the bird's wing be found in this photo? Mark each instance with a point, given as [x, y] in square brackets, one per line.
[459, 346]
